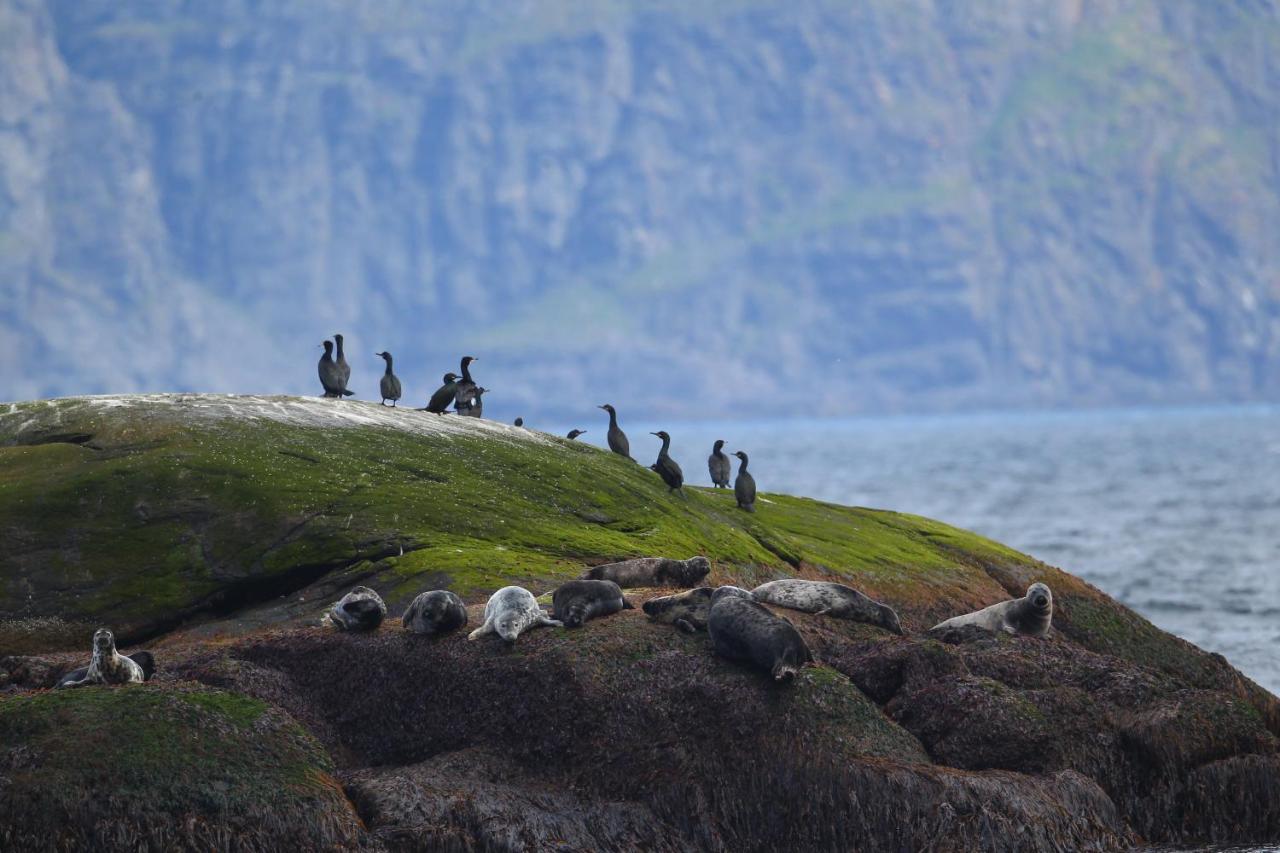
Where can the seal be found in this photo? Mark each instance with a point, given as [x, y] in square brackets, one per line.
[1029, 615]
[143, 659]
[106, 666]
[362, 609]
[689, 610]
[828, 599]
[436, 612]
[743, 630]
[651, 571]
[511, 611]
[577, 601]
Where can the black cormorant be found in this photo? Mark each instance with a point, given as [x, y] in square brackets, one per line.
[330, 380]
[574, 433]
[390, 384]
[519, 421]
[718, 465]
[617, 438]
[344, 369]
[441, 400]
[466, 396]
[666, 467]
[744, 487]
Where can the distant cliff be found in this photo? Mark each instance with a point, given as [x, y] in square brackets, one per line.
[808, 207]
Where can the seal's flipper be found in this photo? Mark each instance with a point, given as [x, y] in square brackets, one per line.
[627, 605]
[74, 678]
[686, 626]
[486, 628]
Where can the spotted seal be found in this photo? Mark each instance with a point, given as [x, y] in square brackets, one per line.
[827, 599]
[651, 571]
[743, 630]
[1030, 615]
[435, 612]
[362, 609]
[577, 601]
[106, 666]
[511, 611]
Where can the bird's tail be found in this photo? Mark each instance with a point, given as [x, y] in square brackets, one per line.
[347, 393]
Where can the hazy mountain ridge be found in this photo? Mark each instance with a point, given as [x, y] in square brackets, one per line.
[902, 205]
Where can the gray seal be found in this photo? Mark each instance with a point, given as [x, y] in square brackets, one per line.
[651, 571]
[435, 612]
[106, 665]
[362, 609]
[828, 599]
[511, 611]
[689, 610]
[1029, 615]
[577, 601]
[744, 630]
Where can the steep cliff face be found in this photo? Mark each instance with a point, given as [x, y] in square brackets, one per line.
[899, 204]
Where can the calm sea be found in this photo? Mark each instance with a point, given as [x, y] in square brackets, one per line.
[1176, 513]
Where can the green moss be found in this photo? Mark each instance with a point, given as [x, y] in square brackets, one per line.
[824, 703]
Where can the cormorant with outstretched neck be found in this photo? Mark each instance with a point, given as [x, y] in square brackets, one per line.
[389, 386]
[574, 433]
[744, 487]
[466, 397]
[330, 379]
[444, 396]
[617, 438]
[718, 465]
[344, 369]
[666, 467]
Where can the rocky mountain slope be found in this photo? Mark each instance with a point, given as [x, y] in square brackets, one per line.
[216, 528]
[841, 207]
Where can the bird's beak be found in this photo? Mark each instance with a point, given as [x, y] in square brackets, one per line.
[653, 433]
[599, 407]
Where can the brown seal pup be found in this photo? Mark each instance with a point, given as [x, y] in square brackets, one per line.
[435, 612]
[575, 602]
[744, 630]
[1030, 615]
[651, 571]
[106, 666]
[828, 599]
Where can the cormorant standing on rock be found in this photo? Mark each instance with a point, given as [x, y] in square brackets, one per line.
[439, 403]
[390, 384]
[344, 369]
[617, 438]
[519, 422]
[466, 396]
[330, 379]
[744, 487]
[719, 466]
[574, 433]
[666, 467]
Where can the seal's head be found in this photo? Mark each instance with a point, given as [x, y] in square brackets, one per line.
[574, 615]
[888, 620]
[1040, 597]
[104, 642]
[686, 610]
[507, 626]
[695, 569]
[723, 592]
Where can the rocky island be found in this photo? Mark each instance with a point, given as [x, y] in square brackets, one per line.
[214, 530]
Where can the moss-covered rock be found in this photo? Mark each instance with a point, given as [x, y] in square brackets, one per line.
[150, 768]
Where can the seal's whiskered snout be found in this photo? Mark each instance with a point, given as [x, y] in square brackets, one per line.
[1041, 601]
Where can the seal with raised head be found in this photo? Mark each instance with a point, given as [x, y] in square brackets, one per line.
[574, 602]
[651, 571]
[435, 612]
[1030, 615]
[106, 665]
[828, 599]
[362, 609]
[511, 611]
[744, 630]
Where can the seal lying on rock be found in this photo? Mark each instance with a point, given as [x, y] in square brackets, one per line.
[106, 666]
[828, 599]
[577, 601]
[362, 609]
[689, 610]
[436, 612]
[510, 611]
[1028, 615]
[651, 571]
[744, 630]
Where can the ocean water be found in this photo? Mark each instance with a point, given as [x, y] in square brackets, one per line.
[1176, 513]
